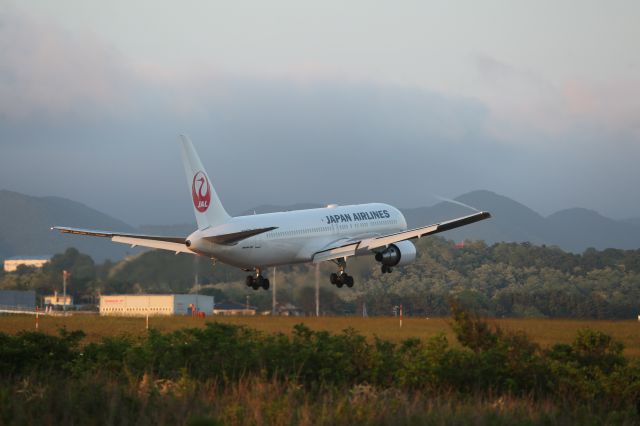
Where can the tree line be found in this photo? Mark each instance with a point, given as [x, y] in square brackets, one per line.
[503, 279]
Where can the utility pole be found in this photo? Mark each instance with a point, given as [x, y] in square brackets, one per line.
[196, 283]
[148, 303]
[273, 293]
[65, 274]
[317, 289]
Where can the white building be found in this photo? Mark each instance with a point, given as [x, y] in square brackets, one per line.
[11, 264]
[155, 304]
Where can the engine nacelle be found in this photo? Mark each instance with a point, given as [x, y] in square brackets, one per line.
[397, 254]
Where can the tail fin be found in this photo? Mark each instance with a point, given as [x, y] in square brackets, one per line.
[206, 204]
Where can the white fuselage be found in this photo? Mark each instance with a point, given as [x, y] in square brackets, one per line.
[299, 234]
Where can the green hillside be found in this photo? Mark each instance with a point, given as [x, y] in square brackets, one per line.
[572, 229]
[504, 279]
[25, 224]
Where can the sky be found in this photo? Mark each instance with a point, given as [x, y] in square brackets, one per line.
[329, 102]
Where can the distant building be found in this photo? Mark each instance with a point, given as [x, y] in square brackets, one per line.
[233, 308]
[58, 300]
[155, 304]
[288, 310]
[17, 300]
[11, 264]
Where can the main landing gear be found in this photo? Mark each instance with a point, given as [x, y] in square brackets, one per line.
[256, 281]
[341, 278]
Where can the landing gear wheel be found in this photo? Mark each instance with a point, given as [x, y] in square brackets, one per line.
[334, 278]
[341, 278]
[386, 269]
[348, 280]
[258, 282]
[249, 281]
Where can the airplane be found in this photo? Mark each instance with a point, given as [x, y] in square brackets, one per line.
[255, 242]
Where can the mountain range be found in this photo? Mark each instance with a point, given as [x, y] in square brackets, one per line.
[574, 229]
[25, 223]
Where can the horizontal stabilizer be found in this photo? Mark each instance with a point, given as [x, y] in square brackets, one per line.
[235, 237]
[176, 244]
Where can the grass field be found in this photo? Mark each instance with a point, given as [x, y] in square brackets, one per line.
[546, 332]
[225, 376]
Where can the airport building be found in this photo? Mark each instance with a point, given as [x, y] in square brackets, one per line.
[11, 264]
[17, 300]
[289, 310]
[233, 308]
[131, 305]
[58, 300]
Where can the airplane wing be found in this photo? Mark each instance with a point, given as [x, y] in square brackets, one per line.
[346, 248]
[176, 244]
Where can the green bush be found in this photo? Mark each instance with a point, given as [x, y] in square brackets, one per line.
[33, 352]
[489, 362]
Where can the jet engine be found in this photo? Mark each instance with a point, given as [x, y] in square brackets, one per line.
[397, 254]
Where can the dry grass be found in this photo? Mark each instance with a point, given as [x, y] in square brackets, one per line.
[254, 401]
[546, 332]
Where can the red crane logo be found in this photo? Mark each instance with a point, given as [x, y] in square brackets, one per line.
[201, 192]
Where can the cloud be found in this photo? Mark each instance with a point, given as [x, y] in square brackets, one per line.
[80, 120]
[264, 140]
[48, 72]
[525, 107]
[614, 106]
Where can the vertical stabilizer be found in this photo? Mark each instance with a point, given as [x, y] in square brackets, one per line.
[206, 204]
